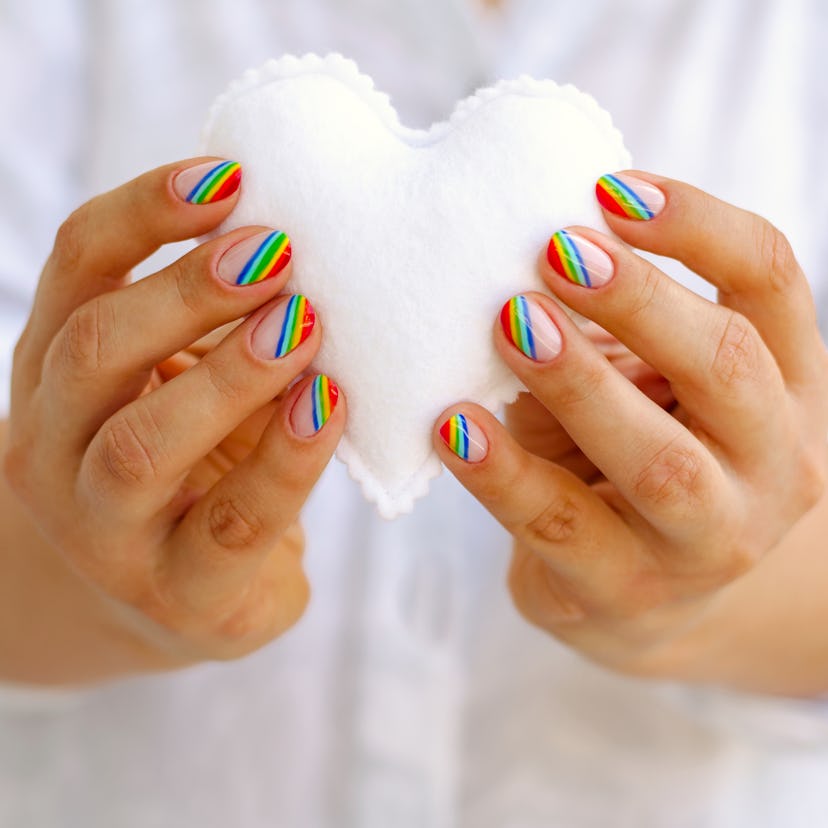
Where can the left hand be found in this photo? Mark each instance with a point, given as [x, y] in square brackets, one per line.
[622, 562]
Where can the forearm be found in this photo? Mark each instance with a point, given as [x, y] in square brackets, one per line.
[54, 627]
[768, 631]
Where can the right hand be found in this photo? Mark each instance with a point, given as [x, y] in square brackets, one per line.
[537, 431]
[166, 474]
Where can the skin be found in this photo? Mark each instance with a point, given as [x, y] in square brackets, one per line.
[149, 513]
[664, 480]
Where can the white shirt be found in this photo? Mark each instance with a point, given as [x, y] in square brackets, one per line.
[411, 693]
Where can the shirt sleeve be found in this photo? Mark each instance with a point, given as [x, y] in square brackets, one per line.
[43, 101]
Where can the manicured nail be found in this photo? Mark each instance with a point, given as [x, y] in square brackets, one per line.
[629, 197]
[255, 259]
[528, 327]
[206, 183]
[465, 438]
[578, 259]
[286, 327]
[314, 407]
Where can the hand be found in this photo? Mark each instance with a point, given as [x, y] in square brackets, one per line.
[537, 431]
[168, 474]
[621, 563]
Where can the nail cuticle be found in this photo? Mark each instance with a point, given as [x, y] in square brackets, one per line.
[255, 258]
[314, 406]
[579, 260]
[529, 328]
[465, 438]
[209, 182]
[284, 328]
[629, 197]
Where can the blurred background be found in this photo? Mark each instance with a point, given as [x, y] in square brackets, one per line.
[411, 693]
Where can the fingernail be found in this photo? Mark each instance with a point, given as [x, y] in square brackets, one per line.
[282, 330]
[629, 197]
[206, 183]
[255, 259]
[578, 259]
[465, 438]
[528, 327]
[314, 407]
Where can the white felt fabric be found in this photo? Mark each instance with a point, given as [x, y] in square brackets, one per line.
[407, 241]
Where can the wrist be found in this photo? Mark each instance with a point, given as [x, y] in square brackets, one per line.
[764, 633]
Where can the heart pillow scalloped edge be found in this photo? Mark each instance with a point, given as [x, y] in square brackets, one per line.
[337, 67]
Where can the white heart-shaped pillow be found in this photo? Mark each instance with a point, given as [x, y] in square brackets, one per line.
[408, 242]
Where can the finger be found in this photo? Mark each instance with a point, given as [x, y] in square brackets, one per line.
[744, 255]
[545, 507]
[103, 356]
[719, 368]
[106, 237]
[137, 460]
[540, 433]
[223, 539]
[668, 476]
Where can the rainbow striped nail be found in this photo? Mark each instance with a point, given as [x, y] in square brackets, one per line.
[528, 327]
[314, 407]
[208, 183]
[578, 259]
[255, 259]
[282, 330]
[465, 438]
[629, 197]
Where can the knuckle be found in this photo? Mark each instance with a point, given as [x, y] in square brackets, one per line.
[525, 573]
[737, 359]
[232, 524]
[642, 596]
[495, 490]
[523, 570]
[219, 379]
[254, 626]
[80, 347]
[558, 522]
[127, 455]
[238, 633]
[734, 552]
[777, 256]
[189, 294]
[271, 609]
[538, 595]
[669, 581]
[812, 478]
[741, 559]
[15, 466]
[70, 239]
[297, 479]
[582, 386]
[720, 568]
[646, 290]
[675, 478]
[290, 601]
